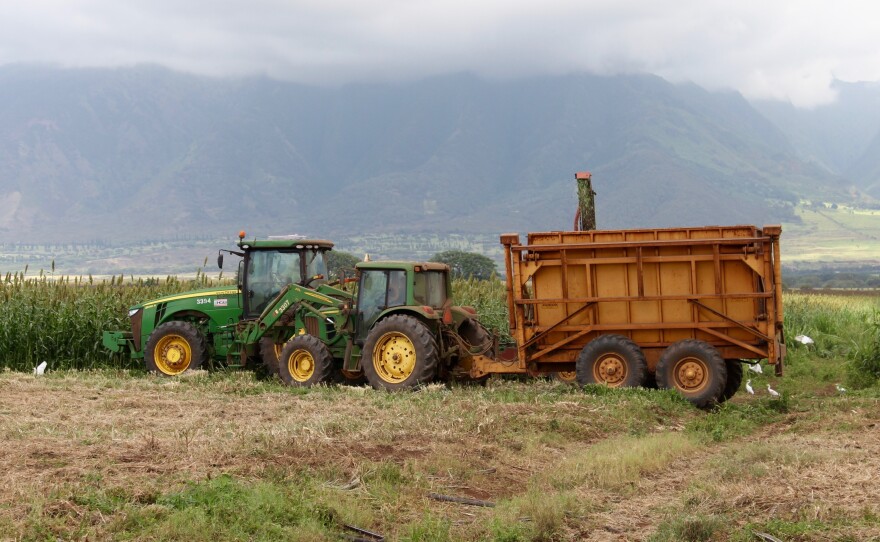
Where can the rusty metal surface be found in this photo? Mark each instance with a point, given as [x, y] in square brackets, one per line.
[719, 284]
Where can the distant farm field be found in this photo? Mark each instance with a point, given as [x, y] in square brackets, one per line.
[110, 453]
[832, 236]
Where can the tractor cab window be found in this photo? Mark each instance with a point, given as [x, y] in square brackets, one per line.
[430, 288]
[315, 264]
[379, 289]
[270, 271]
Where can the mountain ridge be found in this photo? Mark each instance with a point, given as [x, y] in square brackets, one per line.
[144, 152]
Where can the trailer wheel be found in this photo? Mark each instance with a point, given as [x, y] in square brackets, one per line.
[695, 369]
[566, 377]
[400, 353]
[270, 353]
[305, 361]
[734, 378]
[349, 378]
[175, 347]
[613, 360]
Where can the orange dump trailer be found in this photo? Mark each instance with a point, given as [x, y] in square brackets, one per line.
[682, 307]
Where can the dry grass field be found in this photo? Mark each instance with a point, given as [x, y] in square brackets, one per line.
[118, 455]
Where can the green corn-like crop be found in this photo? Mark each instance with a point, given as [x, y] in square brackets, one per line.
[61, 319]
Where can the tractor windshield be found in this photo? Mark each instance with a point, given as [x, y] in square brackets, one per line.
[430, 288]
[268, 272]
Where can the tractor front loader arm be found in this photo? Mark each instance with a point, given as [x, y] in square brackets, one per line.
[292, 297]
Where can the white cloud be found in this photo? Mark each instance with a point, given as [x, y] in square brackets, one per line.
[784, 49]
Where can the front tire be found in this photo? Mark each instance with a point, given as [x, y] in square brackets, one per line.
[400, 353]
[174, 348]
[305, 361]
[695, 369]
[613, 360]
[270, 353]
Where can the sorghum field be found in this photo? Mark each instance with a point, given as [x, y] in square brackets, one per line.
[96, 449]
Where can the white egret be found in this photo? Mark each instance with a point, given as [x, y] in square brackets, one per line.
[773, 392]
[749, 387]
[40, 369]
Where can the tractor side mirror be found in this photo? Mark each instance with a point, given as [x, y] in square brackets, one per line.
[220, 260]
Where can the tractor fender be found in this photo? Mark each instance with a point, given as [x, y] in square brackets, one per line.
[185, 314]
[429, 318]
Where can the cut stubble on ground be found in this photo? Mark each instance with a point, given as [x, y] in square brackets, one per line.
[560, 464]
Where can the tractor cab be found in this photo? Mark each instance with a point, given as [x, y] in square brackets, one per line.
[267, 267]
[384, 286]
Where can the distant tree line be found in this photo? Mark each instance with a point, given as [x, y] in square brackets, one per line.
[823, 279]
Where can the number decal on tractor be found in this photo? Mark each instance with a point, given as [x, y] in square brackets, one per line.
[203, 301]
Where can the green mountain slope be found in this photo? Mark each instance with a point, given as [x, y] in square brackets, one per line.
[144, 153]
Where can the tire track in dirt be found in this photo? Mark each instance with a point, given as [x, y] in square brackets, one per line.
[818, 475]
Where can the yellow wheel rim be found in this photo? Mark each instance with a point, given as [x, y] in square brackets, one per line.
[567, 376]
[610, 369]
[394, 357]
[301, 365]
[690, 375]
[173, 354]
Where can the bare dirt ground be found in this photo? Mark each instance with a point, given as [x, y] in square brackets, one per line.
[814, 469]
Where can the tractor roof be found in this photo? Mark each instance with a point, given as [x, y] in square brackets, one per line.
[424, 266]
[286, 243]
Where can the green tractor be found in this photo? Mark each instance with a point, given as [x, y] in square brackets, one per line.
[184, 331]
[399, 332]
[402, 332]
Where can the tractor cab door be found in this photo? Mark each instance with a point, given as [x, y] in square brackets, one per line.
[267, 272]
[378, 289]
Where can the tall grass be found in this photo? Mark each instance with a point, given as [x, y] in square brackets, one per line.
[60, 319]
[488, 297]
[841, 326]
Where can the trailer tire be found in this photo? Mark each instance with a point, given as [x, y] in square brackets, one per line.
[613, 360]
[174, 348]
[565, 377]
[349, 378]
[695, 369]
[734, 378]
[400, 353]
[270, 353]
[305, 361]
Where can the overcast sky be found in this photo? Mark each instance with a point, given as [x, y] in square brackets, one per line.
[783, 49]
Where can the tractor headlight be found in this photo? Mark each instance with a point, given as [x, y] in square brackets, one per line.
[132, 312]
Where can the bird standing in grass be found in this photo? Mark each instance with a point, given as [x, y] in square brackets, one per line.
[756, 368]
[840, 388]
[773, 392]
[749, 387]
[40, 369]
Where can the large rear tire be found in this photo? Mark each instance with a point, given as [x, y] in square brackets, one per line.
[613, 360]
[400, 353]
[174, 348]
[695, 369]
[305, 361]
